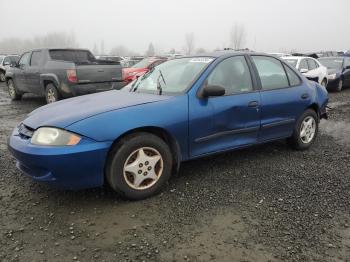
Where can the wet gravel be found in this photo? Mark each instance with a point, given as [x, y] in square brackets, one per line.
[265, 203]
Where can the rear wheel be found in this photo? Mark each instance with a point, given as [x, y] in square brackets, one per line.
[305, 130]
[14, 95]
[139, 166]
[51, 94]
[2, 76]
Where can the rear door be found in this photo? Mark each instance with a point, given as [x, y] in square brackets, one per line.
[229, 121]
[33, 72]
[20, 74]
[283, 97]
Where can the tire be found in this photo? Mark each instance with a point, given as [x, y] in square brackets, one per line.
[304, 136]
[324, 83]
[51, 94]
[14, 94]
[132, 169]
[340, 86]
[2, 76]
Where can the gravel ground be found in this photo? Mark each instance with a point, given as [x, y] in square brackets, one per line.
[265, 203]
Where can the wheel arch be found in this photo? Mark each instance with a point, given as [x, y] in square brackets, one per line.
[316, 108]
[162, 133]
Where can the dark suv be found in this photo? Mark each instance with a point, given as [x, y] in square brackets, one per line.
[61, 73]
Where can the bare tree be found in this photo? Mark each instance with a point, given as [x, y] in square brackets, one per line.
[150, 51]
[237, 36]
[200, 50]
[55, 39]
[189, 41]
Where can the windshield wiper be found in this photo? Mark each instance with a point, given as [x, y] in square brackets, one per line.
[159, 86]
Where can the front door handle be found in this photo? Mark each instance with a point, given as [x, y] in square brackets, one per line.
[305, 96]
[253, 104]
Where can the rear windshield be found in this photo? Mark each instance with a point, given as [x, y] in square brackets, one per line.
[76, 56]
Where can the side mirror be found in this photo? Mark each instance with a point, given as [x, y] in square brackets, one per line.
[211, 90]
[303, 70]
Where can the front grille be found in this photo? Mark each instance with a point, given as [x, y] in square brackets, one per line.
[25, 131]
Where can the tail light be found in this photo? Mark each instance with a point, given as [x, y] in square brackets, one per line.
[72, 75]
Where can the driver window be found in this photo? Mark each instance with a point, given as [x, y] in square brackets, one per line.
[24, 59]
[232, 74]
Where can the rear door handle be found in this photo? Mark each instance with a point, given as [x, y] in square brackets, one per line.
[305, 96]
[253, 104]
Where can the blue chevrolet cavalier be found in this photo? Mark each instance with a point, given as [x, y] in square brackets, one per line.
[185, 108]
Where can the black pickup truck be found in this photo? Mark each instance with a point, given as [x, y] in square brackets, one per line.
[61, 73]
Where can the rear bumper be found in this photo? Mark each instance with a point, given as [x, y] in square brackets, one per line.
[68, 167]
[84, 89]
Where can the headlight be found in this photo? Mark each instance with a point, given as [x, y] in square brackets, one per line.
[48, 136]
[332, 76]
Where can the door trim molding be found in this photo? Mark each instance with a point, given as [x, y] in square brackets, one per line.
[278, 123]
[225, 133]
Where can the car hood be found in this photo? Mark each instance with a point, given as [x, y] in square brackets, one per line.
[66, 112]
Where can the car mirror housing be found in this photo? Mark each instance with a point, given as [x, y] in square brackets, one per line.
[211, 90]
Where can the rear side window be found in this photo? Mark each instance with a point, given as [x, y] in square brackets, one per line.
[76, 56]
[271, 72]
[312, 64]
[303, 65]
[294, 80]
[35, 60]
[233, 74]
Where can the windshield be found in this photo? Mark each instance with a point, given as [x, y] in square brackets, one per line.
[332, 63]
[171, 77]
[292, 62]
[143, 63]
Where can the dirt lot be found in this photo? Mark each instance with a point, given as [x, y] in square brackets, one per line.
[266, 203]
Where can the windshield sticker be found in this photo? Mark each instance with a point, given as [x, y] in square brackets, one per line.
[201, 60]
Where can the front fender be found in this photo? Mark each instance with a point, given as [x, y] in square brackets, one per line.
[170, 115]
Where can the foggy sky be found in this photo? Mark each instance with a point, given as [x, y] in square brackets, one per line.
[271, 25]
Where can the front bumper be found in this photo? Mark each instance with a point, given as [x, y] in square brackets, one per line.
[66, 167]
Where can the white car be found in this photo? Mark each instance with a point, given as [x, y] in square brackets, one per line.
[5, 63]
[280, 54]
[309, 67]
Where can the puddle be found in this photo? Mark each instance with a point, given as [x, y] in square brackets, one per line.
[339, 130]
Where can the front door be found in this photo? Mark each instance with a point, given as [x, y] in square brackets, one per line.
[229, 121]
[33, 73]
[20, 73]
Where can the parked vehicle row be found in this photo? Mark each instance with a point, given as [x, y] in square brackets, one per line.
[61, 73]
[310, 68]
[338, 72]
[5, 62]
[134, 139]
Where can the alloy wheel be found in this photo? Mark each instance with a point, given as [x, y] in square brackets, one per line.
[308, 129]
[143, 168]
[12, 90]
[51, 96]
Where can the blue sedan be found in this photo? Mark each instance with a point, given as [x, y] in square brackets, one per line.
[185, 108]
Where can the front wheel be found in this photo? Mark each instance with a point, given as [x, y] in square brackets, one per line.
[305, 130]
[14, 95]
[139, 166]
[51, 94]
